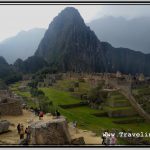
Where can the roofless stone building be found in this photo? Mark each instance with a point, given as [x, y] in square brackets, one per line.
[9, 105]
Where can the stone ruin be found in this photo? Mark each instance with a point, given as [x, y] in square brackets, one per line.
[50, 80]
[53, 132]
[9, 105]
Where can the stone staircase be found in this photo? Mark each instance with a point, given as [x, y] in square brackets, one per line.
[118, 106]
[126, 91]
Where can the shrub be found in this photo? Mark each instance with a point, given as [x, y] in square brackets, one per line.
[45, 104]
[33, 84]
[96, 95]
[81, 80]
[3, 86]
[13, 78]
[71, 89]
[76, 84]
[35, 92]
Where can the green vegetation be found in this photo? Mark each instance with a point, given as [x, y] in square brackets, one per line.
[59, 97]
[84, 115]
[141, 90]
[13, 78]
[117, 108]
[142, 95]
[97, 95]
[36, 93]
[82, 87]
[35, 98]
[2, 85]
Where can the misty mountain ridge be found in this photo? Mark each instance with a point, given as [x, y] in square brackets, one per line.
[121, 32]
[23, 45]
[115, 30]
[70, 45]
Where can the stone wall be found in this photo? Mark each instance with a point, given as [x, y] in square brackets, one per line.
[118, 104]
[11, 108]
[73, 105]
[122, 113]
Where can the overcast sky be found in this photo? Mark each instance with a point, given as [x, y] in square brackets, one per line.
[14, 18]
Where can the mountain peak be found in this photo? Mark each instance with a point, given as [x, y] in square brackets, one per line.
[70, 11]
[67, 16]
[69, 44]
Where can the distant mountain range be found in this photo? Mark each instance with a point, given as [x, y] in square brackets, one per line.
[120, 32]
[23, 45]
[70, 45]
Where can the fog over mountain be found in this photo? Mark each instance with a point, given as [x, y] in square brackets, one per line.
[119, 31]
[23, 45]
[70, 45]
[122, 32]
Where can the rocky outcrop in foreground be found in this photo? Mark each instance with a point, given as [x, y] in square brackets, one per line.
[54, 132]
[4, 126]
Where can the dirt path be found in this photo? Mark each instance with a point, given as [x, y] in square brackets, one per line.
[89, 137]
[12, 136]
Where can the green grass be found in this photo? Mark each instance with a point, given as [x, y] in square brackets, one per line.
[67, 83]
[84, 114]
[15, 86]
[60, 97]
[96, 124]
[63, 84]
[25, 94]
[118, 108]
[118, 100]
[143, 90]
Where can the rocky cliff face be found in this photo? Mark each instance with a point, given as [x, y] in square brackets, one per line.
[69, 45]
[126, 60]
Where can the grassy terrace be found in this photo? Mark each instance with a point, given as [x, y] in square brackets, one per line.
[116, 96]
[25, 94]
[65, 84]
[142, 96]
[59, 97]
[118, 108]
[14, 88]
[84, 115]
[142, 90]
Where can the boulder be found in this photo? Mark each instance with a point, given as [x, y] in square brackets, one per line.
[78, 141]
[54, 132]
[4, 126]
